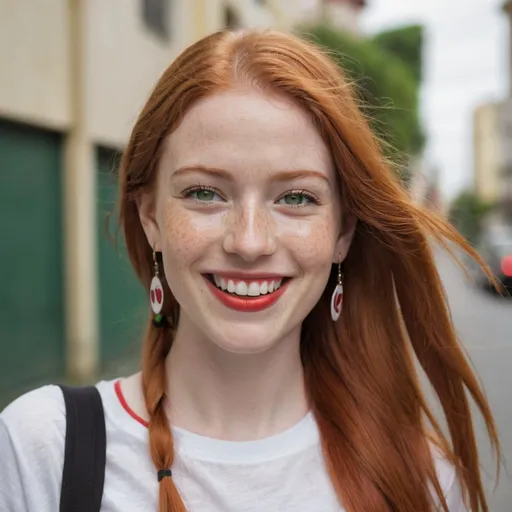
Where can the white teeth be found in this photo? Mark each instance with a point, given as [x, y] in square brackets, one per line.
[254, 289]
[249, 288]
[241, 288]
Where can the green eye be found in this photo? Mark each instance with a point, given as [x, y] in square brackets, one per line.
[204, 195]
[296, 199]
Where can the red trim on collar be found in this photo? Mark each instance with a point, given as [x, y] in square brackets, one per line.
[126, 407]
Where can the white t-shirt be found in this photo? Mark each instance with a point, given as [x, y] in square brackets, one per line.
[283, 473]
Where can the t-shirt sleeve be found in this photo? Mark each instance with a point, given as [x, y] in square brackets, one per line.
[454, 498]
[449, 482]
[12, 497]
[32, 432]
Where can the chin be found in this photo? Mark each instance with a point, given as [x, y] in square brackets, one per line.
[250, 347]
[245, 344]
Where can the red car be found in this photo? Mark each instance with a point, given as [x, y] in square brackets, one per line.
[495, 247]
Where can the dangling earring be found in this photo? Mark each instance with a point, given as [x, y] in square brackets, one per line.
[156, 295]
[337, 296]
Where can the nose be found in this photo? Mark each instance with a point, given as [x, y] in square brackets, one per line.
[250, 233]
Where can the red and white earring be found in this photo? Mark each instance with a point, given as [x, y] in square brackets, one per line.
[337, 297]
[156, 295]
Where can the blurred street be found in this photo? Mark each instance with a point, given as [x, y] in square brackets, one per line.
[484, 324]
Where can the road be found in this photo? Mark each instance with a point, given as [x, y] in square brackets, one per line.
[484, 324]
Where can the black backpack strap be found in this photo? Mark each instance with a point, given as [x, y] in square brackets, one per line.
[83, 474]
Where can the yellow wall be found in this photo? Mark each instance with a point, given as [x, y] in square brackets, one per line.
[123, 61]
[34, 62]
[488, 155]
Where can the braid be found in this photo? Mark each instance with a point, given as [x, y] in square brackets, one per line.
[161, 446]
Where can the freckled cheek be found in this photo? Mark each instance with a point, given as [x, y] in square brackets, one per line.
[187, 234]
[312, 241]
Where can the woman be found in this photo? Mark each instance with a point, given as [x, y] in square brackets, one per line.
[291, 281]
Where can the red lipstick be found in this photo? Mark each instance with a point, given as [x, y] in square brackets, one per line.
[247, 304]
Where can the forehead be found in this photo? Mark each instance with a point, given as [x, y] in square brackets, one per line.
[246, 129]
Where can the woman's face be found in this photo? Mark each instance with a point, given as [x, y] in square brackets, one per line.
[247, 218]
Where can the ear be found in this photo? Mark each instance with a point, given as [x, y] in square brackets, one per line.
[147, 214]
[345, 238]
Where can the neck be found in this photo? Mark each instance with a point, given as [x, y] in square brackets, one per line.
[234, 396]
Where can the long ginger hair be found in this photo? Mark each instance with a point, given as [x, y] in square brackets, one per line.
[376, 428]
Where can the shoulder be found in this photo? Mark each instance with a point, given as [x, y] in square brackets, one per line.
[32, 439]
[34, 425]
[36, 416]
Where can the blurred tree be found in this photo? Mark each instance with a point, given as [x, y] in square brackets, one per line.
[467, 213]
[387, 84]
[406, 43]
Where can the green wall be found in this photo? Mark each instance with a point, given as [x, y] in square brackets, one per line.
[124, 306]
[31, 264]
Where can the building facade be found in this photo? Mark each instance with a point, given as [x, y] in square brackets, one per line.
[505, 195]
[492, 129]
[507, 9]
[507, 127]
[492, 158]
[488, 151]
[344, 14]
[341, 14]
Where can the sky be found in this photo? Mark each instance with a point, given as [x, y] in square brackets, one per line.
[466, 64]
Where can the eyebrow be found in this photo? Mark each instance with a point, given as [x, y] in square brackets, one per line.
[280, 176]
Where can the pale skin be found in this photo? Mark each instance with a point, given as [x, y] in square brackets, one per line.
[271, 205]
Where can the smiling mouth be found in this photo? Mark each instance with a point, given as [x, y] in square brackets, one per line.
[247, 295]
[247, 288]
